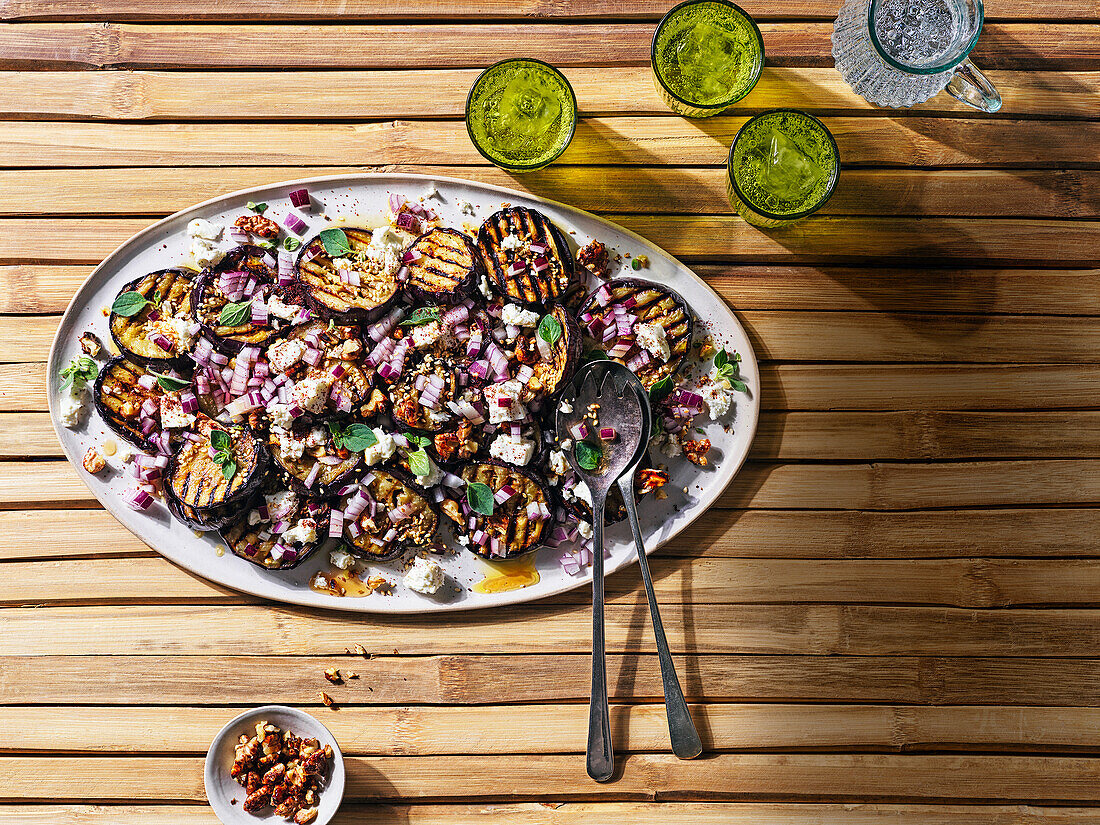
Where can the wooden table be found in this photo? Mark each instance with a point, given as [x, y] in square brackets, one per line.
[891, 617]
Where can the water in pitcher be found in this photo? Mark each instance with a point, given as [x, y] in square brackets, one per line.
[919, 33]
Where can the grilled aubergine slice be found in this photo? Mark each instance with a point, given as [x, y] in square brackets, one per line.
[443, 266]
[259, 545]
[137, 335]
[650, 304]
[534, 277]
[552, 373]
[196, 484]
[208, 299]
[508, 532]
[339, 297]
[118, 397]
[396, 518]
[342, 347]
[327, 476]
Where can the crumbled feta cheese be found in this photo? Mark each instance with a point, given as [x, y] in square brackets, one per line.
[511, 242]
[172, 415]
[567, 443]
[304, 532]
[73, 406]
[512, 449]
[717, 396]
[124, 453]
[281, 505]
[432, 191]
[282, 355]
[669, 446]
[518, 316]
[204, 236]
[311, 392]
[427, 334]
[466, 207]
[507, 390]
[320, 582]
[652, 337]
[338, 558]
[290, 446]
[276, 307]
[176, 330]
[382, 449]
[387, 243]
[565, 406]
[483, 285]
[439, 416]
[280, 416]
[207, 230]
[558, 464]
[585, 529]
[425, 576]
[582, 492]
[254, 517]
[316, 437]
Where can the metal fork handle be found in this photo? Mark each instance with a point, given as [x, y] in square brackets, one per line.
[681, 729]
[601, 759]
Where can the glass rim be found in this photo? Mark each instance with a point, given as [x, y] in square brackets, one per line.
[521, 167]
[793, 216]
[937, 69]
[707, 106]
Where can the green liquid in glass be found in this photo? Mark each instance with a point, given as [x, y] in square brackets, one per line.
[783, 164]
[521, 114]
[709, 54]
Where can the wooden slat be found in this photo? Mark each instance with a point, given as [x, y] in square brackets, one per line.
[53, 484]
[951, 582]
[162, 679]
[344, 95]
[442, 9]
[421, 731]
[653, 190]
[112, 45]
[1007, 241]
[858, 436]
[1031, 533]
[31, 289]
[641, 776]
[902, 140]
[763, 629]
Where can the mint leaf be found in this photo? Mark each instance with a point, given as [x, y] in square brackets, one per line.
[550, 329]
[170, 383]
[79, 372]
[721, 359]
[220, 440]
[335, 241]
[129, 304]
[229, 467]
[258, 208]
[424, 315]
[480, 498]
[355, 438]
[661, 389]
[290, 244]
[588, 456]
[419, 463]
[738, 384]
[234, 314]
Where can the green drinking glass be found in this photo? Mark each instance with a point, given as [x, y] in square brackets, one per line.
[521, 114]
[706, 55]
[783, 165]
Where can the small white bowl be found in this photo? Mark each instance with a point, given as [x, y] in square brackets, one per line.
[221, 787]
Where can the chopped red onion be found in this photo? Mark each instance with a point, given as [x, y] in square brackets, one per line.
[140, 501]
[608, 433]
[147, 381]
[300, 198]
[313, 473]
[579, 431]
[294, 223]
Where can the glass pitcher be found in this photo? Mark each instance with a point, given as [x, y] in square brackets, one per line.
[898, 53]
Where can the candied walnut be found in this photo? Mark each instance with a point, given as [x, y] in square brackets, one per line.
[90, 344]
[527, 351]
[358, 650]
[333, 675]
[696, 451]
[275, 775]
[376, 405]
[649, 480]
[452, 510]
[305, 815]
[407, 409]
[593, 258]
[326, 699]
[457, 444]
[93, 461]
[258, 799]
[314, 763]
[378, 583]
[257, 225]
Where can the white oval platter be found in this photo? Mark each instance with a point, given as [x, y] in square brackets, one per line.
[362, 200]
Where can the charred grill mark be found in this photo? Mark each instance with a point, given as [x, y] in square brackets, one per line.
[448, 266]
[118, 396]
[508, 523]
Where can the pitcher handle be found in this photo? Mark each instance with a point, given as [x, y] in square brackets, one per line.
[973, 88]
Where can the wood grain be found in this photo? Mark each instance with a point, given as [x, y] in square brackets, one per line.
[904, 140]
[415, 93]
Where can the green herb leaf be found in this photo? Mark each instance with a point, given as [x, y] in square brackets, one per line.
[264, 244]
[220, 441]
[424, 315]
[129, 304]
[700, 430]
[156, 297]
[170, 383]
[290, 244]
[480, 498]
[356, 437]
[418, 440]
[258, 208]
[661, 389]
[335, 241]
[79, 372]
[229, 468]
[234, 314]
[635, 264]
[738, 384]
[594, 355]
[419, 462]
[729, 369]
[721, 359]
[588, 455]
[550, 329]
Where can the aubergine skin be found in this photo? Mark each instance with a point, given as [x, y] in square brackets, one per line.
[207, 300]
[390, 483]
[448, 270]
[197, 482]
[509, 521]
[330, 297]
[114, 388]
[241, 534]
[658, 304]
[130, 335]
[216, 518]
[529, 288]
[566, 355]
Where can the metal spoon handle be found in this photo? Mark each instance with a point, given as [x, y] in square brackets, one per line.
[601, 759]
[681, 729]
